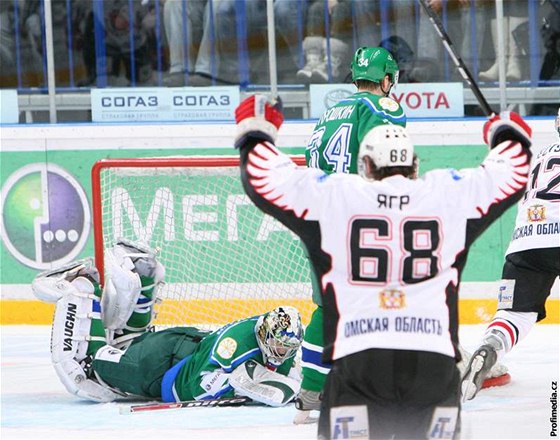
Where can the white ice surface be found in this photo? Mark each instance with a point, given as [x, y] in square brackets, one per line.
[35, 405]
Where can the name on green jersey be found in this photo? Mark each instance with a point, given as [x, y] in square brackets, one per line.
[343, 112]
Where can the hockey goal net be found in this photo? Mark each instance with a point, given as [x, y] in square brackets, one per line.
[224, 258]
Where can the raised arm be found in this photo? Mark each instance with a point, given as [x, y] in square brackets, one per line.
[270, 178]
[507, 163]
[500, 181]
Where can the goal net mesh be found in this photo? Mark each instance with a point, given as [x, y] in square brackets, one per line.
[224, 258]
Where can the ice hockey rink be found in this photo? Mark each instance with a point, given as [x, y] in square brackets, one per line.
[36, 406]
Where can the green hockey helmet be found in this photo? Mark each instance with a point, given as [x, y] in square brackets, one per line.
[373, 63]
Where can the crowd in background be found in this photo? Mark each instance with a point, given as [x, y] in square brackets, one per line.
[208, 42]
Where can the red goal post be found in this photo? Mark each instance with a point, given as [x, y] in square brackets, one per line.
[224, 258]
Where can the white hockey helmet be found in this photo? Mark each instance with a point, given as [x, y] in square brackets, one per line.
[388, 146]
[279, 334]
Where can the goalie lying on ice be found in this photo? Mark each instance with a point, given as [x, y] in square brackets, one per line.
[104, 347]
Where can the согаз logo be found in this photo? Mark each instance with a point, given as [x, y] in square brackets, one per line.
[45, 216]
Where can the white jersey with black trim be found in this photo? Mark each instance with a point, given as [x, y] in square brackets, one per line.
[537, 224]
[389, 254]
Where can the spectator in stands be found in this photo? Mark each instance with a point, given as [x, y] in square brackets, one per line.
[327, 48]
[397, 18]
[366, 23]
[231, 42]
[207, 64]
[121, 26]
[550, 69]
[223, 45]
[411, 69]
[32, 35]
[516, 34]
[183, 21]
[290, 17]
[399, 36]
[85, 40]
[466, 22]
[550, 32]
[7, 44]
[22, 23]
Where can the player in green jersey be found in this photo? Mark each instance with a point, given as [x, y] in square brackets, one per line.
[333, 147]
[335, 141]
[104, 346]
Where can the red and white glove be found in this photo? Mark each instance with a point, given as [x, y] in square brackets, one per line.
[506, 126]
[258, 117]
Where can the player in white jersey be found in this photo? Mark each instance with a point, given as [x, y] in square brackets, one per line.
[531, 266]
[388, 250]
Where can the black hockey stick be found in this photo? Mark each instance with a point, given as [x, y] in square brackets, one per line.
[226, 401]
[459, 63]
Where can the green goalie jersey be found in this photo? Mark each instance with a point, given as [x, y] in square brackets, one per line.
[335, 142]
[205, 373]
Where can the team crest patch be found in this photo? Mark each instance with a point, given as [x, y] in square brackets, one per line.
[349, 422]
[536, 213]
[505, 294]
[392, 299]
[226, 348]
[389, 104]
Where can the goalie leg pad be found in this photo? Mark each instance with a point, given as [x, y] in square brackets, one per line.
[77, 330]
[75, 378]
[121, 292]
[132, 282]
[77, 334]
[262, 385]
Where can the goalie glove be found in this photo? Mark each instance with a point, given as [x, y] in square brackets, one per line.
[259, 118]
[507, 126]
[253, 380]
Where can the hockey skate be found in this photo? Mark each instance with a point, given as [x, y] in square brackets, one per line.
[306, 402]
[51, 285]
[479, 367]
[498, 375]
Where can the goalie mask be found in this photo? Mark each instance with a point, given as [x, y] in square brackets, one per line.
[387, 146]
[373, 63]
[279, 335]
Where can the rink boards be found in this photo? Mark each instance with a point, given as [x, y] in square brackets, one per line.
[74, 148]
[477, 305]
